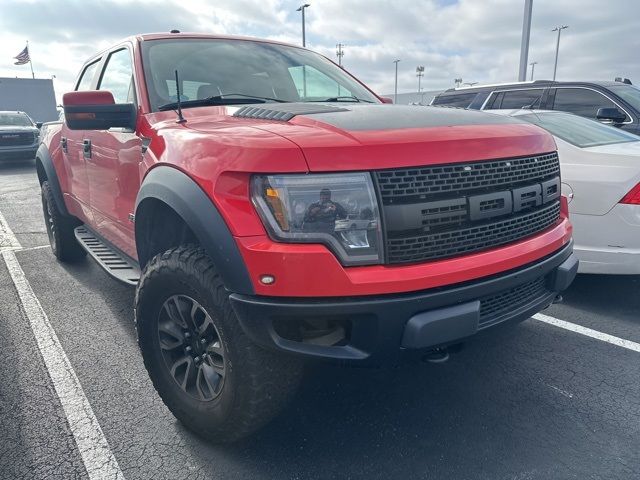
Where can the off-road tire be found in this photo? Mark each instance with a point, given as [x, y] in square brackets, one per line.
[257, 383]
[60, 229]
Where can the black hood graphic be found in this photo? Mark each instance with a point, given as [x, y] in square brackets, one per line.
[373, 117]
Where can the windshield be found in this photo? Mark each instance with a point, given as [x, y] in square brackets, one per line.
[579, 131]
[15, 120]
[214, 67]
[629, 94]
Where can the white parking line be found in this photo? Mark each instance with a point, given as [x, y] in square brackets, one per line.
[97, 457]
[7, 238]
[28, 249]
[604, 337]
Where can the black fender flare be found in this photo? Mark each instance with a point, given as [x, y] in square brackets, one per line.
[196, 209]
[44, 162]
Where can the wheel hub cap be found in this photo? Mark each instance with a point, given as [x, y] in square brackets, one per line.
[191, 347]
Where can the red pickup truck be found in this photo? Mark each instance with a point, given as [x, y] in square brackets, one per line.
[269, 208]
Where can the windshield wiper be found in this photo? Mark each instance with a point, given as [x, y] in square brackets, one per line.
[220, 100]
[343, 98]
[244, 95]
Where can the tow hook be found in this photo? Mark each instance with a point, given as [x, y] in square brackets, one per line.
[439, 355]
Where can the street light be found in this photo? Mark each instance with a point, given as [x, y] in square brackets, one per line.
[559, 30]
[419, 74]
[526, 34]
[340, 52]
[533, 67]
[395, 95]
[301, 8]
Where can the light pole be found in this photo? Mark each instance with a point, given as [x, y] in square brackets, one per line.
[301, 8]
[457, 82]
[524, 45]
[533, 67]
[555, 65]
[395, 95]
[340, 52]
[419, 74]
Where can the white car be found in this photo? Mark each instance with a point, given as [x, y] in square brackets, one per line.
[600, 167]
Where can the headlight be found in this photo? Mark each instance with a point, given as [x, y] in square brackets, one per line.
[338, 210]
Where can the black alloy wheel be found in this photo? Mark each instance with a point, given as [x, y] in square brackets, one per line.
[60, 228]
[50, 224]
[191, 347]
[208, 372]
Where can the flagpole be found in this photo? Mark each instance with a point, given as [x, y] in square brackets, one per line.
[30, 64]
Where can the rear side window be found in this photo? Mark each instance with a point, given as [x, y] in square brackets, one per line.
[87, 76]
[118, 77]
[579, 131]
[515, 99]
[462, 100]
[581, 101]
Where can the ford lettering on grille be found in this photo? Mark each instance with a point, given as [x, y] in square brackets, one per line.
[443, 211]
[502, 203]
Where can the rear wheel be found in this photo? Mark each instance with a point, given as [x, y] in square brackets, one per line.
[60, 229]
[209, 374]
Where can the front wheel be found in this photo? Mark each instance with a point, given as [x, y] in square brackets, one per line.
[208, 373]
[60, 229]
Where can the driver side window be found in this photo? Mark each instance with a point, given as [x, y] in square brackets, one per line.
[118, 77]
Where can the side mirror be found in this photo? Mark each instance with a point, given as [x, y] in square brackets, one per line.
[96, 110]
[386, 99]
[610, 115]
[39, 125]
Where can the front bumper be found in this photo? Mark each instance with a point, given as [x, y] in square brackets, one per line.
[27, 152]
[377, 328]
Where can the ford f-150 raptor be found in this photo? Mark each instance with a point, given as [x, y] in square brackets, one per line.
[269, 208]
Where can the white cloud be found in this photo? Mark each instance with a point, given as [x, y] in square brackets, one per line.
[475, 40]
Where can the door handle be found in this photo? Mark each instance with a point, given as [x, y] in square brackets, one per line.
[63, 143]
[86, 148]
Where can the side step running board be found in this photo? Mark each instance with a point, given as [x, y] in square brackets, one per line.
[114, 263]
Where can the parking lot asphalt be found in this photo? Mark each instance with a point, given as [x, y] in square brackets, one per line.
[531, 401]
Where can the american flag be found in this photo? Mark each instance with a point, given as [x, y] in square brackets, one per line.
[23, 56]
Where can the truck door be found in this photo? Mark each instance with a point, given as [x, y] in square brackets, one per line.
[112, 165]
[75, 181]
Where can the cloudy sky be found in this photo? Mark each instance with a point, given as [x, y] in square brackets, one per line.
[478, 40]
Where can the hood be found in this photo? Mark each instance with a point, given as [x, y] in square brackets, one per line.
[15, 128]
[356, 137]
[625, 148]
[341, 136]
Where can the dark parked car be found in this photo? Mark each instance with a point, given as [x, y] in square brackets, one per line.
[19, 136]
[616, 102]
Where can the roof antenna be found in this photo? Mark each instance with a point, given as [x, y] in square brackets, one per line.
[181, 119]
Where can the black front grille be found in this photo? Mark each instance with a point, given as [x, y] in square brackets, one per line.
[16, 139]
[442, 211]
[410, 185]
[495, 306]
[448, 243]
